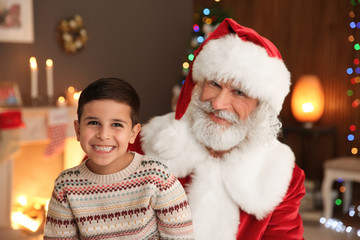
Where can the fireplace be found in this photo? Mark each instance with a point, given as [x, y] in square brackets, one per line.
[27, 177]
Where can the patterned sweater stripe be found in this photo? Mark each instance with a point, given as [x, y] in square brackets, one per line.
[143, 201]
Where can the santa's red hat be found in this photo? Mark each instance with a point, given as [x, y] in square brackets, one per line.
[237, 53]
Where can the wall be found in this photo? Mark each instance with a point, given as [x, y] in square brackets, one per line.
[142, 42]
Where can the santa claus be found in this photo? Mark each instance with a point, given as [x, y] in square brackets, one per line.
[242, 183]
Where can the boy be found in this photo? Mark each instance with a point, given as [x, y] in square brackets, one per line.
[115, 194]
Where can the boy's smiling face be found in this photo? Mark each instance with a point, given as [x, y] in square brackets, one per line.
[105, 131]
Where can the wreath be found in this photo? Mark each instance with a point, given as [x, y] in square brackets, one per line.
[72, 34]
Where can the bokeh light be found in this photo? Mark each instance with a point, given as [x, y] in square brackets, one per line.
[351, 38]
[354, 150]
[196, 28]
[200, 39]
[206, 11]
[351, 137]
[186, 65]
[191, 57]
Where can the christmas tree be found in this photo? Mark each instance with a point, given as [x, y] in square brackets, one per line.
[205, 22]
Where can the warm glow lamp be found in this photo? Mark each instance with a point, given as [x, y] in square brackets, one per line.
[307, 101]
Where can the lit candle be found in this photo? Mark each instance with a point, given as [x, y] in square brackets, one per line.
[61, 102]
[69, 95]
[50, 78]
[34, 77]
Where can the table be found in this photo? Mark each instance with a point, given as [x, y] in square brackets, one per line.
[310, 147]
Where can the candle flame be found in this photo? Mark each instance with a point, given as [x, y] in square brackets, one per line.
[49, 63]
[33, 63]
[71, 89]
[76, 95]
[61, 99]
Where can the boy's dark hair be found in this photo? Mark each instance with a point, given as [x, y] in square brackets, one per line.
[113, 89]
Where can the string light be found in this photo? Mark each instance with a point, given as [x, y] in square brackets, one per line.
[354, 151]
[186, 65]
[338, 226]
[206, 11]
[351, 137]
[196, 28]
[191, 57]
[200, 39]
[356, 103]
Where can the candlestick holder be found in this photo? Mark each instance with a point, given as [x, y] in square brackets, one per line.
[35, 101]
[50, 101]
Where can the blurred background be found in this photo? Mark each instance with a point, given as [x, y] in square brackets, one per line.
[150, 45]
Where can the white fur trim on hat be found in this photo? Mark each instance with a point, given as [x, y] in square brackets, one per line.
[231, 59]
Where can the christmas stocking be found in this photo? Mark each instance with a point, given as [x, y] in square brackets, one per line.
[57, 126]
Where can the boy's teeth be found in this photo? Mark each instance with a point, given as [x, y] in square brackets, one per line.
[102, 148]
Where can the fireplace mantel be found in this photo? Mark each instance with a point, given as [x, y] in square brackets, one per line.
[36, 122]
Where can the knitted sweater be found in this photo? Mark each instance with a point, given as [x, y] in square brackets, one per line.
[143, 201]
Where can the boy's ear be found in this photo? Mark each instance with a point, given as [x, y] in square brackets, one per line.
[134, 132]
[77, 129]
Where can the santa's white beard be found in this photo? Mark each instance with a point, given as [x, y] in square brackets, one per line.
[213, 135]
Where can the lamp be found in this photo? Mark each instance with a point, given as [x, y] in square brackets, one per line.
[307, 101]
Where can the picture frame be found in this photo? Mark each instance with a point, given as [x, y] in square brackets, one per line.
[9, 94]
[16, 21]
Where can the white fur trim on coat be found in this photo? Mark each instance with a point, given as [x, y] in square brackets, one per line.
[230, 58]
[254, 179]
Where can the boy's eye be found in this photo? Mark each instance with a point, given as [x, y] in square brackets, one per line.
[117, 125]
[93, 123]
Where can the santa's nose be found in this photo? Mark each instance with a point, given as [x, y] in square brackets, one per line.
[222, 100]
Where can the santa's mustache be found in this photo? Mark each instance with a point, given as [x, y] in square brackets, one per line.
[228, 116]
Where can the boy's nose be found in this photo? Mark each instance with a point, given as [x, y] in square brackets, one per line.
[104, 133]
